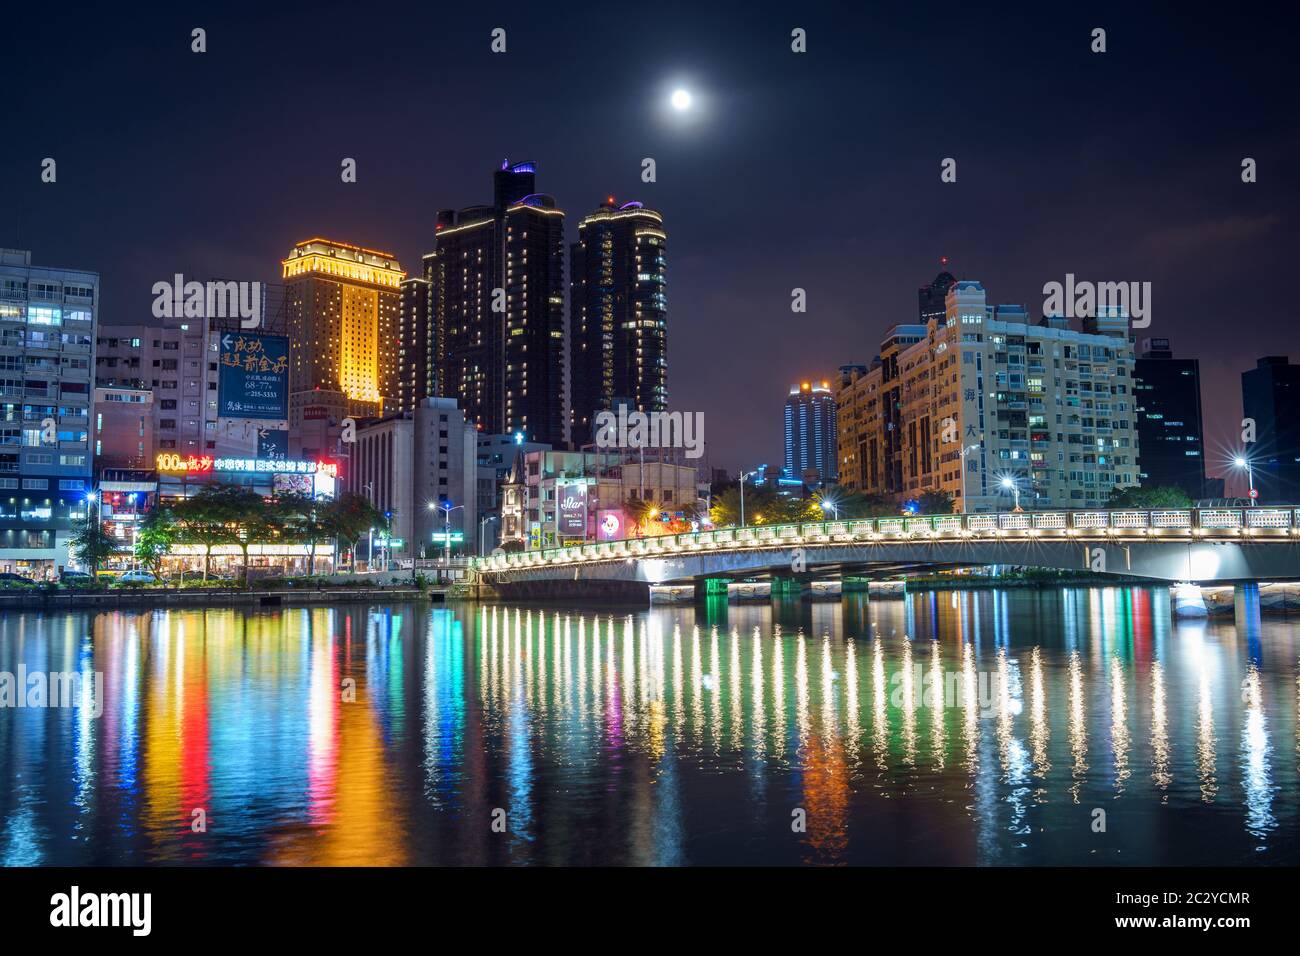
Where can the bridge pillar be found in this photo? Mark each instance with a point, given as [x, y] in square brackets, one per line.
[1188, 601]
[1245, 611]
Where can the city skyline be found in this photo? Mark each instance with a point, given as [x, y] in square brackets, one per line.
[755, 148]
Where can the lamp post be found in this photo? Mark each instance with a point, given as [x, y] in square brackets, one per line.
[447, 508]
[831, 507]
[1010, 483]
[1241, 461]
[482, 522]
[370, 546]
[742, 494]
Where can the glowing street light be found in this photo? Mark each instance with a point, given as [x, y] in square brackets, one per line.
[831, 507]
[1241, 461]
[1010, 484]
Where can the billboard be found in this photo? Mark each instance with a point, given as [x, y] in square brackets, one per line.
[572, 517]
[253, 376]
[272, 443]
[609, 525]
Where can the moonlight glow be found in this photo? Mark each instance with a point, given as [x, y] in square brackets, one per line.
[681, 100]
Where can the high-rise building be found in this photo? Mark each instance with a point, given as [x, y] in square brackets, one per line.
[618, 310]
[342, 303]
[417, 351]
[1167, 393]
[981, 399]
[932, 299]
[810, 432]
[1270, 393]
[496, 278]
[47, 358]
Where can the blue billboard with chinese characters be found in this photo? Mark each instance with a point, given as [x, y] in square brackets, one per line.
[253, 376]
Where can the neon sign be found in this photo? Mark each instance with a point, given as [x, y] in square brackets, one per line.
[172, 463]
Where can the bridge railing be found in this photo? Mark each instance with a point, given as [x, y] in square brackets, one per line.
[1269, 522]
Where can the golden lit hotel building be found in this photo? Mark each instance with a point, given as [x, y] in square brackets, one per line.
[982, 397]
[343, 304]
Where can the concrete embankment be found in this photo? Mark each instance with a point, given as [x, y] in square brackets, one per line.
[31, 600]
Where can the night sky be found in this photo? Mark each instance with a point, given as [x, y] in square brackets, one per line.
[818, 170]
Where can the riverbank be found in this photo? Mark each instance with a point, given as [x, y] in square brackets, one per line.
[35, 600]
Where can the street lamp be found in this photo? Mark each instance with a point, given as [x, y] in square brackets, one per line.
[1010, 483]
[742, 494]
[831, 507]
[482, 522]
[447, 508]
[1241, 461]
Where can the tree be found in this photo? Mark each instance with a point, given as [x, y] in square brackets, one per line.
[154, 538]
[934, 502]
[1153, 496]
[640, 512]
[305, 519]
[349, 516]
[90, 544]
[208, 518]
[762, 506]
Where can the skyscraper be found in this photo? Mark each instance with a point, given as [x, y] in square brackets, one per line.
[931, 299]
[417, 373]
[618, 311]
[1269, 396]
[810, 431]
[343, 303]
[1167, 392]
[47, 355]
[496, 278]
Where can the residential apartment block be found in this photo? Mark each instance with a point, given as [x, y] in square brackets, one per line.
[47, 354]
[984, 399]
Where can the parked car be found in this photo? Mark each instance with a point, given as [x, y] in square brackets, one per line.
[14, 578]
[137, 577]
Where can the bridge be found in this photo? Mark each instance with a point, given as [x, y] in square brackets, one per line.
[1202, 545]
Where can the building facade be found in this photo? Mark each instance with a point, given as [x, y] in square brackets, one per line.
[498, 456]
[417, 347]
[1269, 396]
[554, 497]
[618, 311]
[47, 359]
[408, 465]
[1167, 392]
[342, 304]
[932, 299]
[811, 432]
[496, 278]
[984, 402]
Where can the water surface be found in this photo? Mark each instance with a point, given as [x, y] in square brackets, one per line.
[1071, 726]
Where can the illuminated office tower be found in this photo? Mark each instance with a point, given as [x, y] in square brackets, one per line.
[496, 282]
[810, 432]
[618, 311]
[343, 304]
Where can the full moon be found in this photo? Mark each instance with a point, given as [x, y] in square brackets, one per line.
[681, 100]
